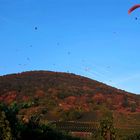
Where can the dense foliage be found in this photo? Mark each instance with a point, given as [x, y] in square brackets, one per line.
[107, 129]
[13, 129]
[5, 130]
[135, 136]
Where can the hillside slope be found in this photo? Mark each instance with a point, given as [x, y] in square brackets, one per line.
[65, 96]
[62, 86]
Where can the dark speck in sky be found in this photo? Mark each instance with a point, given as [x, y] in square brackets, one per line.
[36, 28]
[58, 43]
[28, 58]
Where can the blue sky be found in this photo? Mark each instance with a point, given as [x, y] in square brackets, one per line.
[93, 38]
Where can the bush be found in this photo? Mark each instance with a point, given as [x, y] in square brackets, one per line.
[135, 136]
[133, 107]
[125, 102]
[71, 114]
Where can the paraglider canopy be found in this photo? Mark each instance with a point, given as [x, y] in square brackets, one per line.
[133, 8]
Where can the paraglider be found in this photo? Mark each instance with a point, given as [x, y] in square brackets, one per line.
[133, 8]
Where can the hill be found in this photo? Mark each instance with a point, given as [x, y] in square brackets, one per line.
[65, 96]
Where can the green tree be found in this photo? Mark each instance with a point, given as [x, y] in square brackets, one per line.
[108, 131]
[11, 117]
[5, 130]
